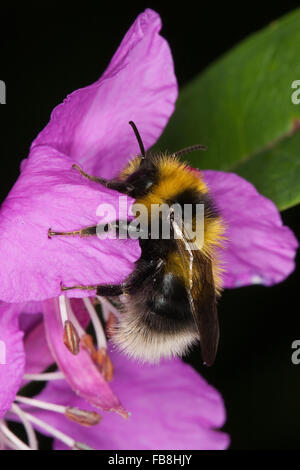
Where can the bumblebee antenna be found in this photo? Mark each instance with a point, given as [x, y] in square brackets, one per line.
[190, 149]
[139, 139]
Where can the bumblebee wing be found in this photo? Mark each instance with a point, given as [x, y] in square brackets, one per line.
[201, 293]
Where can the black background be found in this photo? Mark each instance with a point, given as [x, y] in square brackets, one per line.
[45, 53]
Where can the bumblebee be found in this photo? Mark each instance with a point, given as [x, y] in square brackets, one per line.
[169, 301]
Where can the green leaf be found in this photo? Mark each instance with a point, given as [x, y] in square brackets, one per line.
[241, 108]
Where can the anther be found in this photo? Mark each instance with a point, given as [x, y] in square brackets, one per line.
[71, 338]
[100, 357]
[105, 365]
[83, 417]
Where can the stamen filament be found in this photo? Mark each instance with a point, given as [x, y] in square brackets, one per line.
[76, 323]
[84, 417]
[100, 336]
[69, 441]
[45, 377]
[107, 307]
[63, 309]
[5, 442]
[13, 438]
[31, 436]
[41, 404]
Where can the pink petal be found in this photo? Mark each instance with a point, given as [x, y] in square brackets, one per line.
[80, 372]
[28, 322]
[171, 405]
[12, 357]
[91, 125]
[49, 193]
[260, 249]
[38, 355]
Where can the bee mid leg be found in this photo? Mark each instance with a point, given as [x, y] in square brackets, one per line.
[118, 225]
[105, 290]
[83, 232]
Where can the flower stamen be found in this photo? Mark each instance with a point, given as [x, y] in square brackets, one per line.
[104, 362]
[12, 440]
[31, 436]
[67, 440]
[108, 307]
[44, 377]
[84, 417]
[70, 337]
[100, 335]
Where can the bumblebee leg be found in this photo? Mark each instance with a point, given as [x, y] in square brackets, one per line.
[123, 226]
[115, 184]
[89, 177]
[83, 232]
[130, 285]
[81, 287]
[110, 290]
[105, 290]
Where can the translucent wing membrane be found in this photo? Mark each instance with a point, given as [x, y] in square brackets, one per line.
[200, 289]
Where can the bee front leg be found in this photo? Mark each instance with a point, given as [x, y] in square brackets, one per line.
[89, 177]
[115, 184]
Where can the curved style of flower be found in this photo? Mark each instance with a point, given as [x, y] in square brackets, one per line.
[90, 128]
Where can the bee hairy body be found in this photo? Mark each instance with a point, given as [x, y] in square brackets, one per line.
[169, 301]
[156, 316]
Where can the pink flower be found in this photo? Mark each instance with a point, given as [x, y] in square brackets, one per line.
[91, 128]
[260, 249]
[159, 399]
[12, 358]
